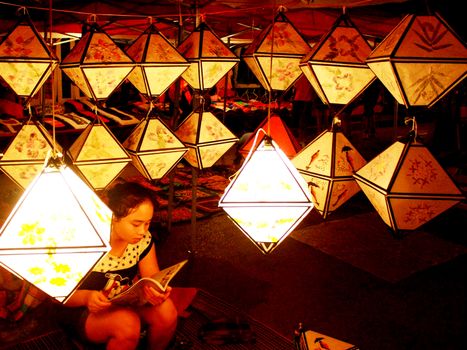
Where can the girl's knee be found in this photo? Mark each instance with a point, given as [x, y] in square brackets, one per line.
[127, 324]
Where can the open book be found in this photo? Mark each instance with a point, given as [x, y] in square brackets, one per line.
[134, 295]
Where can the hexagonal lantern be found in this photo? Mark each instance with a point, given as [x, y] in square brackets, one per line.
[420, 61]
[27, 152]
[206, 137]
[407, 186]
[210, 59]
[26, 61]
[158, 63]
[267, 198]
[98, 155]
[286, 45]
[336, 65]
[154, 149]
[328, 163]
[58, 230]
[96, 64]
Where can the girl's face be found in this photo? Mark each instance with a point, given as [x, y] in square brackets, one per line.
[131, 228]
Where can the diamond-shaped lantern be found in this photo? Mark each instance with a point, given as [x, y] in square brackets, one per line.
[158, 63]
[96, 64]
[25, 156]
[154, 149]
[267, 198]
[420, 61]
[210, 59]
[206, 137]
[328, 163]
[286, 45]
[336, 65]
[26, 61]
[407, 186]
[58, 230]
[98, 155]
[279, 132]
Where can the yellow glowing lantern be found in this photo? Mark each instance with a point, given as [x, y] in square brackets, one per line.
[58, 230]
[267, 198]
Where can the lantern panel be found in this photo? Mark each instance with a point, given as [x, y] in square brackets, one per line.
[411, 213]
[211, 153]
[377, 200]
[341, 192]
[285, 71]
[105, 81]
[347, 159]
[156, 165]
[213, 71]
[55, 274]
[22, 174]
[384, 70]
[319, 189]
[78, 77]
[100, 175]
[426, 83]
[24, 78]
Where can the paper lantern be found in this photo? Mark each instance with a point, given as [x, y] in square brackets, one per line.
[206, 137]
[210, 59]
[327, 164]
[154, 149]
[25, 156]
[26, 61]
[158, 63]
[285, 44]
[279, 131]
[336, 66]
[96, 64]
[407, 186]
[56, 233]
[420, 61]
[267, 198]
[98, 155]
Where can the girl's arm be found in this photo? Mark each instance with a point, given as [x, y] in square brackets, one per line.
[149, 265]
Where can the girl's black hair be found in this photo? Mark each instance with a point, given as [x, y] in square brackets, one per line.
[125, 196]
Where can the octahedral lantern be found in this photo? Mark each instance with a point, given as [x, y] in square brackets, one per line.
[407, 186]
[98, 155]
[158, 63]
[336, 66]
[26, 61]
[210, 59]
[420, 61]
[206, 137]
[267, 198]
[96, 64]
[58, 230]
[154, 149]
[327, 164]
[25, 156]
[286, 45]
[279, 132]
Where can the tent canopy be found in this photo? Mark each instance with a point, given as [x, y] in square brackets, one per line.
[234, 20]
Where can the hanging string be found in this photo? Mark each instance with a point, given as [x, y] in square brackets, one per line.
[270, 72]
[52, 82]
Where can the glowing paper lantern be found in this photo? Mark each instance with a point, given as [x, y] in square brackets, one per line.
[98, 155]
[210, 59]
[56, 233]
[327, 164]
[206, 137]
[420, 61]
[154, 148]
[336, 65]
[158, 63]
[279, 131]
[267, 198]
[407, 186]
[25, 156]
[96, 64]
[285, 44]
[26, 61]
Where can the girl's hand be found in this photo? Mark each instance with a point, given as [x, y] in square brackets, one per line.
[155, 297]
[97, 301]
